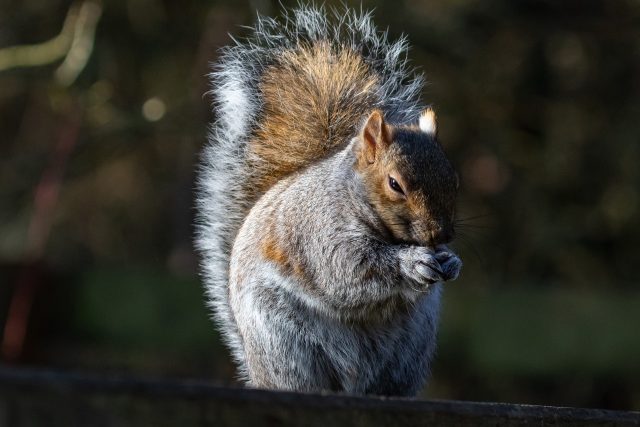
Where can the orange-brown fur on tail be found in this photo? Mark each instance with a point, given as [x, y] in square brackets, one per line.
[314, 100]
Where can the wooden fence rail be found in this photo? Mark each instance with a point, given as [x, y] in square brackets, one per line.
[48, 398]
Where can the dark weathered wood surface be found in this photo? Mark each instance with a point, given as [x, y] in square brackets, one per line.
[47, 398]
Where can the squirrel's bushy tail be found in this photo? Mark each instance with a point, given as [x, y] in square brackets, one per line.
[290, 94]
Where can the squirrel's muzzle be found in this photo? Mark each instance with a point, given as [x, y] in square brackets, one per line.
[433, 234]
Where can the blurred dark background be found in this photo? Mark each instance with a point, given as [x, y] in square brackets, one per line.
[103, 114]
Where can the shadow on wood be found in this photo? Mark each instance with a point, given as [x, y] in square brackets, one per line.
[48, 398]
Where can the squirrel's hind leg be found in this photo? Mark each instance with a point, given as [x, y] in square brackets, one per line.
[407, 370]
[282, 351]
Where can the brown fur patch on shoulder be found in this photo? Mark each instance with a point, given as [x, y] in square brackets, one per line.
[273, 251]
[314, 99]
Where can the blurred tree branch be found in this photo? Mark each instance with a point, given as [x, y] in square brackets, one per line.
[74, 43]
[45, 200]
[81, 44]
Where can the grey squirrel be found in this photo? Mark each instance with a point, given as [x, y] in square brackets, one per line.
[325, 204]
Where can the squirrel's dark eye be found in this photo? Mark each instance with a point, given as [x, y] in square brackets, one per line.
[395, 186]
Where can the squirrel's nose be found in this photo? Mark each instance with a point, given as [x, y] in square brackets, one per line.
[440, 235]
[432, 233]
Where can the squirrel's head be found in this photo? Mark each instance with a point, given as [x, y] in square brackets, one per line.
[409, 180]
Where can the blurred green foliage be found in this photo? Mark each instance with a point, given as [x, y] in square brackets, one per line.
[538, 105]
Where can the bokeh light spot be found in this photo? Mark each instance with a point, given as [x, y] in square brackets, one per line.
[153, 109]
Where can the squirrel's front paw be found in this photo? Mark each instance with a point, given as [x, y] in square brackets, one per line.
[450, 263]
[420, 265]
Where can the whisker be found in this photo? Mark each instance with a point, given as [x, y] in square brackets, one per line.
[476, 232]
[468, 218]
[476, 226]
[469, 245]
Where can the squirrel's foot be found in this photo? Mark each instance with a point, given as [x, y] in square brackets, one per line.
[420, 265]
[450, 263]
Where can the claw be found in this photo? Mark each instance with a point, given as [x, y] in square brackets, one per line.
[452, 268]
[429, 273]
[444, 256]
[431, 262]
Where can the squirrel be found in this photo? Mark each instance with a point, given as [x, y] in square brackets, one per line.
[325, 206]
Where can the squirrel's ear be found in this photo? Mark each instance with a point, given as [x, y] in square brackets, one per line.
[428, 122]
[375, 136]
